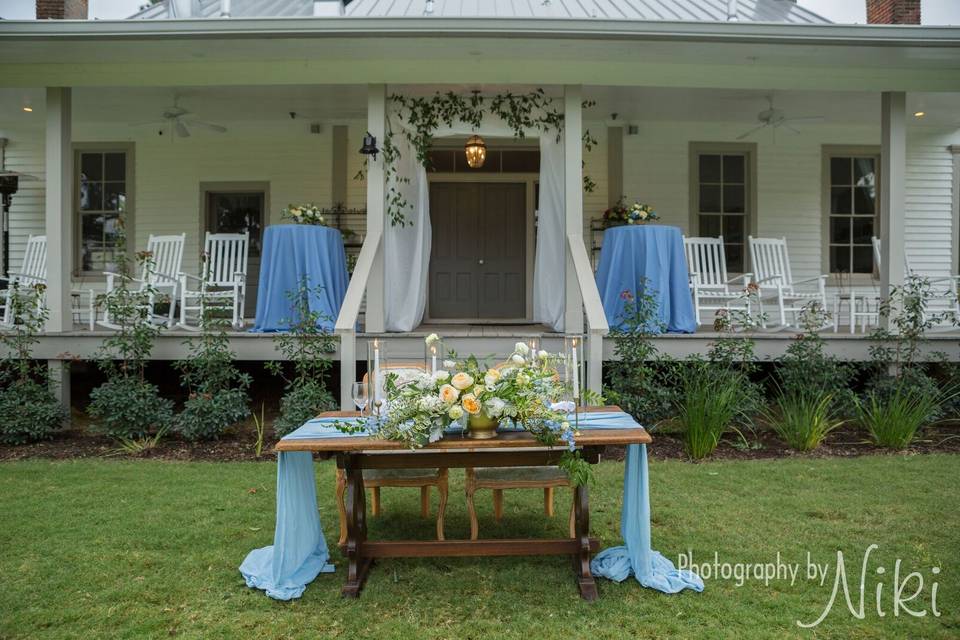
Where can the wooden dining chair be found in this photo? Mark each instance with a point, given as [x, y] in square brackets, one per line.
[500, 478]
[375, 479]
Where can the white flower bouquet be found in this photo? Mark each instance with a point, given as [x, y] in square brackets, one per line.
[304, 214]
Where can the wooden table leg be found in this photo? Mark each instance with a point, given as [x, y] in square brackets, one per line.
[588, 586]
[359, 565]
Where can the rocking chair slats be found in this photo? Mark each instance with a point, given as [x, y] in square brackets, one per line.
[710, 287]
[33, 272]
[222, 283]
[159, 275]
[771, 268]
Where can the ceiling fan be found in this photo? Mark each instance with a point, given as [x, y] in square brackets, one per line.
[176, 118]
[776, 118]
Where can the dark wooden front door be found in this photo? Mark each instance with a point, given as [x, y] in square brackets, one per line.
[478, 254]
[236, 212]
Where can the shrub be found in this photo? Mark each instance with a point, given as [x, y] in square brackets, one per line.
[301, 403]
[710, 401]
[803, 418]
[30, 412]
[892, 418]
[217, 389]
[207, 415]
[642, 383]
[125, 407]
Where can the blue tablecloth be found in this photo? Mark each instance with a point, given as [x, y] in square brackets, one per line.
[299, 551]
[292, 252]
[651, 255]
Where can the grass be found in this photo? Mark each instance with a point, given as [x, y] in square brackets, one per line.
[140, 549]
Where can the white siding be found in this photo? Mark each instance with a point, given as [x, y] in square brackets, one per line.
[25, 154]
[930, 208]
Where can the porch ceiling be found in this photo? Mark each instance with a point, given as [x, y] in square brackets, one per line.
[279, 51]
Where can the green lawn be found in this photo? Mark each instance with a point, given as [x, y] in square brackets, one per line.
[98, 549]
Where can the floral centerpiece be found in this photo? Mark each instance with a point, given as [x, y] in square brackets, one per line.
[621, 214]
[524, 391]
[304, 214]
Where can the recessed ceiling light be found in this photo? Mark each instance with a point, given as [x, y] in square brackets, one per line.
[28, 109]
[919, 114]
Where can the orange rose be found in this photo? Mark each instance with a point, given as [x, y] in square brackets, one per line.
[470, 404]
[449, 394]
[462, 381]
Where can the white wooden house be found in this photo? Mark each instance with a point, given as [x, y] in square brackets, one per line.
[675, 86]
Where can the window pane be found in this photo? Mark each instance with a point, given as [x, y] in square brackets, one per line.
[115, 166]
[839, 259]
[520, 161]
[862, 231]
[710, 198]
[91, 240]
[91, 196]
[863, 200]
[114, 196]
[734, 253]
[733, 169]
[840, 171]
[441, 160]
[841, 200]
[710, 226]
[733, 229]
[91, 166]
[864, 172]
[709, 168]
[839, 230]
[733, 198]
[863, 259]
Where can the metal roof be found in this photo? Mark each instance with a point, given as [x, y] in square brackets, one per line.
[772, 11]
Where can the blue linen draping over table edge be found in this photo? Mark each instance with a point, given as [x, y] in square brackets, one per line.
[290, 253]
[635, 255]
[299, 552]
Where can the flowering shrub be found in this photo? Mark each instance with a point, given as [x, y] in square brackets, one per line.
[304, 214]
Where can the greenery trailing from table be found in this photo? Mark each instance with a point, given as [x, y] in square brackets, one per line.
[217, 389]
[126, 405]
[308, 348]
[521, 112]
[30, 411]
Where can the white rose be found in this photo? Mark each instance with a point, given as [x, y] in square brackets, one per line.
[517, 359]
[449, 364]
[495, 407]
[432, 339]
[489, 379]
[521, 348]
[440, 376]
[543, 355]
[455, 412]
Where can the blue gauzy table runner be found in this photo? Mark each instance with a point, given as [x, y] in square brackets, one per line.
[299, 552]
[652, 255]
[292, 253]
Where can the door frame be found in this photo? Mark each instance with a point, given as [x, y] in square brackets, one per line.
[529, 180]
[238, 186]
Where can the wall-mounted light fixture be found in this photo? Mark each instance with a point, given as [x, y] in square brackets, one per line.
[369, 147]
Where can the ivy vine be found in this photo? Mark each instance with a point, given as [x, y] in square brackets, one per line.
[521, 112]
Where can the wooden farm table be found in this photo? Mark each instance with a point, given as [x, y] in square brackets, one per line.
[509, 449]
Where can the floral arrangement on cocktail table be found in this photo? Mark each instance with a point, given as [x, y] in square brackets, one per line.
[304, 214]
[525, 391]
[620, 214]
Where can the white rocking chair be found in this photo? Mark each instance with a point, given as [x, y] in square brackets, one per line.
[709, 285]
[771, 266]
[32, 273]
[223, 283]
[160, 276]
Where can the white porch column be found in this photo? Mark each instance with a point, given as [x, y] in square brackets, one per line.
[376, 125]
[59, 204]
[893, 168]
[573, 200]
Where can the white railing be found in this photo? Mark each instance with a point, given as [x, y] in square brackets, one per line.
[597, 326]
[346, 326]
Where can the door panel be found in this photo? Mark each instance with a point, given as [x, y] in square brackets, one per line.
[478, 255]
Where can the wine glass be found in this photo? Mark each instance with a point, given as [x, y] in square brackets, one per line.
[361, 395]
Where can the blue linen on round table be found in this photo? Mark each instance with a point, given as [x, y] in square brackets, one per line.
[292, 252]
[636, 255]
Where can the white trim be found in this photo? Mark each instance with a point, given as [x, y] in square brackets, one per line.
[893, 201]
[59, 208]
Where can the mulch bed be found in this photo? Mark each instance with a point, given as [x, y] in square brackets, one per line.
[239, 444]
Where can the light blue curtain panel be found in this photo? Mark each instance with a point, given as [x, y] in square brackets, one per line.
[650, 257]
[294, 253]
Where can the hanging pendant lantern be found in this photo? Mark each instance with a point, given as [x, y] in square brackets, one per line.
[476, 150]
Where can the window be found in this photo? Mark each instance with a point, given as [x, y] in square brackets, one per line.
[722, 197]
[102, 197]
[447, 160]
[851, 195]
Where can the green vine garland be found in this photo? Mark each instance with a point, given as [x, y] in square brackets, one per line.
[521, 112]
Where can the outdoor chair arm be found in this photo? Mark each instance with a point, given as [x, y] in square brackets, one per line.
[745, 277]
[821, 279]
[776, 279]
[184, 276]
[13, 275]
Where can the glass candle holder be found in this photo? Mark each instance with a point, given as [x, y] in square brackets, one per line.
[574, 367]
[376, 368]
[433, 354]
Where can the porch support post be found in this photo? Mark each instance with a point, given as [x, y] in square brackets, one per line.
[59, 204]
[573, 201]
[376, 125]
[893, 168]
[59, 372]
